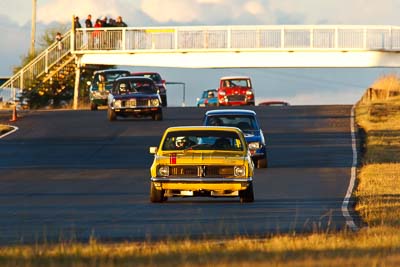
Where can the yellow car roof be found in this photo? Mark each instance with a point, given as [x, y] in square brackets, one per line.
[204, 128]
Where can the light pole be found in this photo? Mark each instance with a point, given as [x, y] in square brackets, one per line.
[33, 28]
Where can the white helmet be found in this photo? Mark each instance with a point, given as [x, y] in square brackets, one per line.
[180, 141]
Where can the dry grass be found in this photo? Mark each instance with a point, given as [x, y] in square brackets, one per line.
[389, 82]
[369, 247]
[378, 191]
[384, 88]
[381, 121]
[4, 129]
[378, 194]
[379, 115]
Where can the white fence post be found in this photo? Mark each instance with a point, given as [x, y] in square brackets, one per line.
[336, 38]
[312, 38]
[365, 38]
[21, 79]
[176, 38]
[123, 47]
[229, 38]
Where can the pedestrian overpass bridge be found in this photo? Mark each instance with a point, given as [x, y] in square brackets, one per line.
[259, 46]
[242, 46]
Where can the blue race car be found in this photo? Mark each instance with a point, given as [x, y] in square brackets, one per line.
[246, 120]
[208, 98]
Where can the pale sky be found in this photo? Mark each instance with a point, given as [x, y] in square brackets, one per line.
[15, 24]
[211, 11]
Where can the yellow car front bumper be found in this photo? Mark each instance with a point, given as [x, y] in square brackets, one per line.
[198, 184]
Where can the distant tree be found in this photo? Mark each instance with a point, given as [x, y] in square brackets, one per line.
[25, 59]
[45, 40]
[49, 34]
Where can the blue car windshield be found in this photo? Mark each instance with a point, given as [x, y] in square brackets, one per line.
[209, 94]
[243, 122]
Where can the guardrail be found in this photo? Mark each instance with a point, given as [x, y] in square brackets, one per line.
[278, 38]
[38, 66]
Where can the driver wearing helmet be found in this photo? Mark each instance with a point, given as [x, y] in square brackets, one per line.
[122, 88]
[181, 142]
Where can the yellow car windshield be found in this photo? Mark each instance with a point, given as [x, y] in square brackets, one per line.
[202, 140]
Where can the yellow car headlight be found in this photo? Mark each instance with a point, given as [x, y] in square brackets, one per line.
[117, 103]
[155, 102]
[254, 145]
[163, 171]
[239, 171]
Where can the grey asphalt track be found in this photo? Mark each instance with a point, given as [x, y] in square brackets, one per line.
[69, 175]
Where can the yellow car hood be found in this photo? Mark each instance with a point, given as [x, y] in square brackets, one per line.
[201, 158]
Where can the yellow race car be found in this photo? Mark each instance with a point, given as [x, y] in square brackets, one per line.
[193, 161]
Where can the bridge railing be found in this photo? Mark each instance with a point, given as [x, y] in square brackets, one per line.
[40, 65]
[328, 37]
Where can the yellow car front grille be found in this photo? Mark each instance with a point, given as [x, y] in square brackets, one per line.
[202, 171]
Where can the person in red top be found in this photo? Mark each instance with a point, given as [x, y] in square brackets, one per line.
[96, 33]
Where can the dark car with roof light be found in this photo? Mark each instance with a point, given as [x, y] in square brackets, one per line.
[245, 120]
[101, 85]
[160, 83]
[134, 97]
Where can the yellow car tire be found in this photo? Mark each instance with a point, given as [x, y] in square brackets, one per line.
[247, 195]
[156, 196]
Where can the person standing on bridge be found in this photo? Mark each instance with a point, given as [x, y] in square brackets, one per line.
[88, 21]
[96, 33]
[58, 40]
[88, 24]
[77, 24]
[59, 44]
[103, 21]
[120, 23]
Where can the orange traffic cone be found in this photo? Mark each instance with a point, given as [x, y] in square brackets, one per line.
[14, 114]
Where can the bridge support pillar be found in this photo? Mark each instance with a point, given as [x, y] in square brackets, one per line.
[76, 87]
